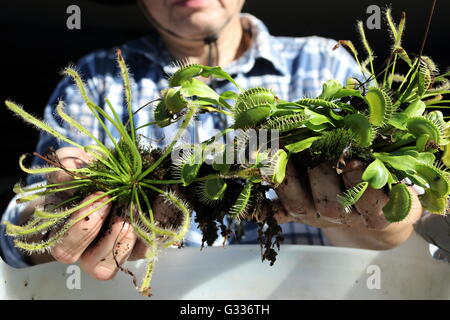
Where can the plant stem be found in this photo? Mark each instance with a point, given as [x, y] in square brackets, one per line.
[189, 115]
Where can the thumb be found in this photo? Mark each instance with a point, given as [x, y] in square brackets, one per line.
[69, 158]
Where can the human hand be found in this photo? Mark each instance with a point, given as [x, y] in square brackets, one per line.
[311, 199]
[102, 241]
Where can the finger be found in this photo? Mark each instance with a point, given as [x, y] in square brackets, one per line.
[294, 194]
[325, 186]
[281, 216]
[101, 259]
[371, 204]
[81, 234]
[70, 158]
[140, 250]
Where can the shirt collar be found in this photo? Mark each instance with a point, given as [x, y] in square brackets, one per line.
[264, 46]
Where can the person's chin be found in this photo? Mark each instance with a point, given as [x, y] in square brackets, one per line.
[199, 25]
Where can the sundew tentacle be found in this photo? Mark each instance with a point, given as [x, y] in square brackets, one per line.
[27, 117]
[41, 246]
[53, 215]
[185, 210]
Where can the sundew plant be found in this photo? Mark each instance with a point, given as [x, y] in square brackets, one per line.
[391, 121]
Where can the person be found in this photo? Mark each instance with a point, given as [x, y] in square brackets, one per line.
[213, 32]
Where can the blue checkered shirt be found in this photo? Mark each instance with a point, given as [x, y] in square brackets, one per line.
[292, 67]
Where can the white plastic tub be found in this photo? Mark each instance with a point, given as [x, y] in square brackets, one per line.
[236, 272]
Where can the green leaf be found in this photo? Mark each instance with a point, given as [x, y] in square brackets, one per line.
[286, 122]
[414, 109]
[212, 190]
[361, 127]
[419, 126]
[399, 204]
[376, 174]
[380, 106]
[299, 146]
[255, 97]
[173, 100]
[352, 195]
[422, 142]
[195, 87]
[161, 116]
[433, 203]
[437, 180]
[185, 73]
[277, 166]
[229, 95]
[187, 166]
[251, 117]
[404, 163]
[218, 73]
[398, 121]
[333, 90]
[317, 122]
[239, 209]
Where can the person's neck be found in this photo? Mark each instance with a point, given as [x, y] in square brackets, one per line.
[230, 44]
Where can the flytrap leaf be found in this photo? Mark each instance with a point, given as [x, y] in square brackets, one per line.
[361, 127]
[333, 90]
[380, 106]
[287, 122]
[414, 109]
[240, 207]
[437, 180]
[185, 73]
[173, 100]
[212, 190]
[252, 107]
[423, 127]
[399, 204]
[376, 174]
[433, 203]
[276, 169]
[187, 167]
[251, 117]
[301, 145]
[161, 115]
[352, 195]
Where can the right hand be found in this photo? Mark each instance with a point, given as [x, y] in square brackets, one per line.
[92, 241]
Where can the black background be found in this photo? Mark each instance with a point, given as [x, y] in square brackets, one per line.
[36, 45]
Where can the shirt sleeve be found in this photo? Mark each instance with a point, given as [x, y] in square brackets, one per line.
[75, 107]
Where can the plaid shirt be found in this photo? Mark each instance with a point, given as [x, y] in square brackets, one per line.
[292, 67]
